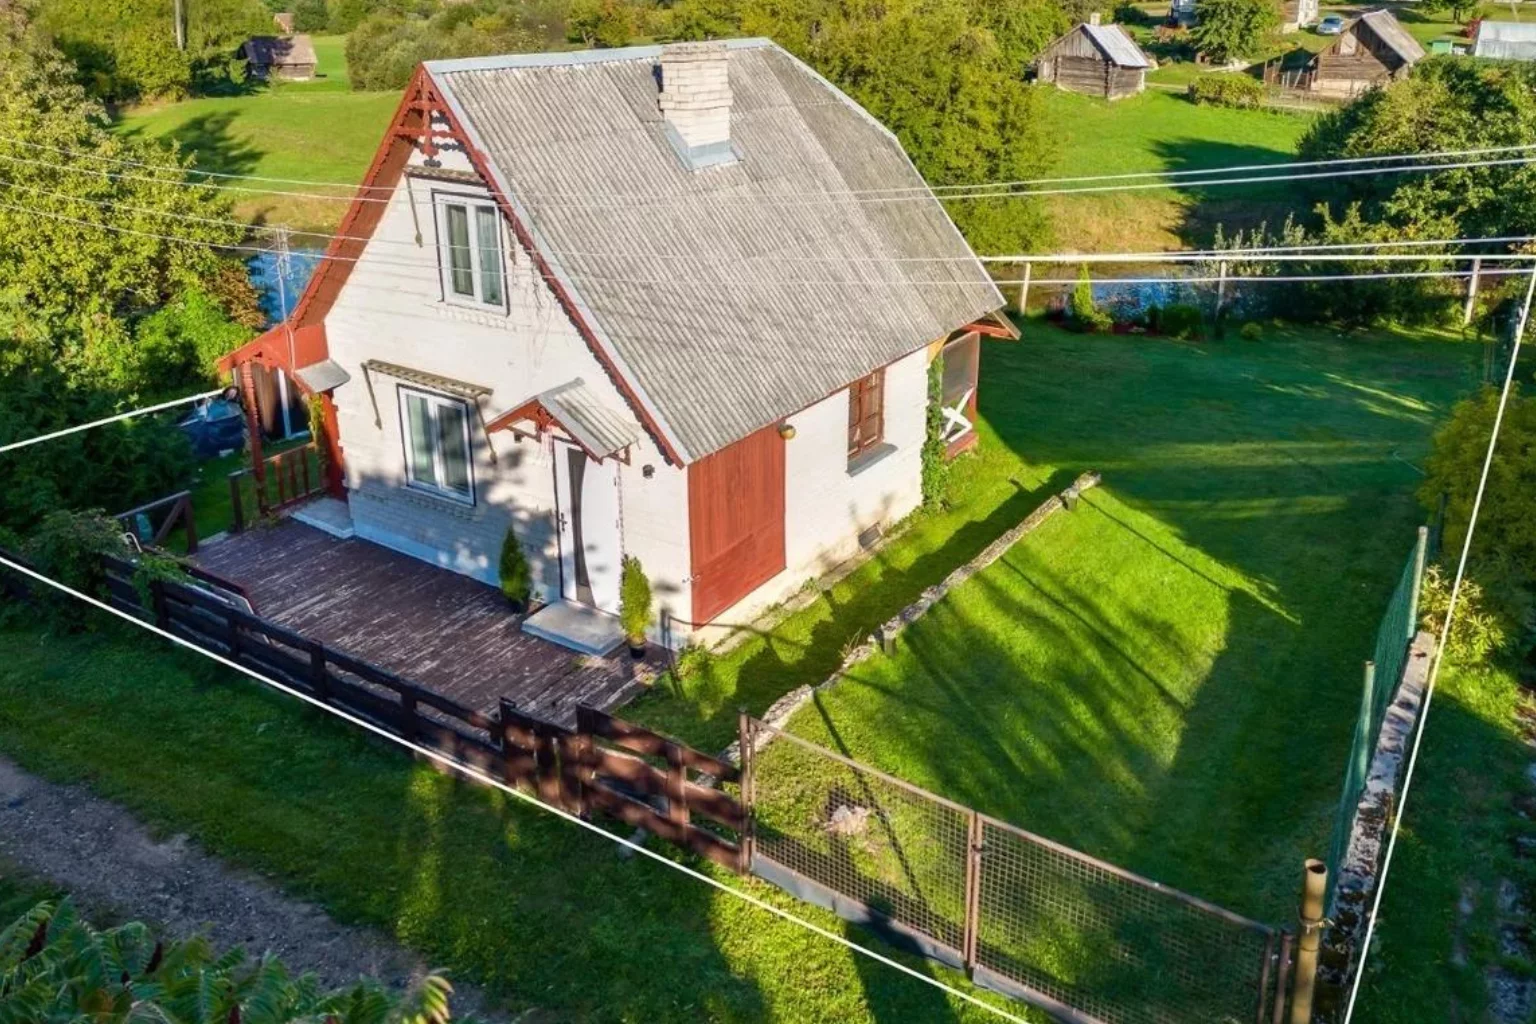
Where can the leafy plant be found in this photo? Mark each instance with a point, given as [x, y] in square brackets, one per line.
[55, 966]
[516, 577]
[1478, 632]
[1251, 331]
[692, 661]
[1083, 312]
[1220, 90]
[1183, 321]
[1232, 30]
[935, 466]
[634, 600]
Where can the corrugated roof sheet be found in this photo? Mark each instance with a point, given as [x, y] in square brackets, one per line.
[601, 430]
[1117, 45]
[1391, 32]
[1505, 40]
[734, 296]
[322, 376]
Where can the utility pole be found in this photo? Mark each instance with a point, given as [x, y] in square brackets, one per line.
[179, 14]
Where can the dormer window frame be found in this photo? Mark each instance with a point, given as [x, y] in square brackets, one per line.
[471, 250]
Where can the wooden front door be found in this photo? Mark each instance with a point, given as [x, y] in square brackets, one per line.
[736, 521]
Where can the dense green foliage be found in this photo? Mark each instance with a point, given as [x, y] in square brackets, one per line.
[935, 464]
[127, 49]
[1236, 90]
[384, 49]
[54, 966]
[634, 600]
[1083, 313]
[1229, 30]
[516, 578]
[110, 295]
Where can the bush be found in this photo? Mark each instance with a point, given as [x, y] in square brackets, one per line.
[634, 600]
[692, 661]
[1083, 313]
[1127, 13]
[1182, 321]
[935, 466]
[311, 16]
[1222, 90]
[516, 578]
[1493, 612]
[1251, 331]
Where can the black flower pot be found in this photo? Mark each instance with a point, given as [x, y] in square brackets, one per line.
[637, 648]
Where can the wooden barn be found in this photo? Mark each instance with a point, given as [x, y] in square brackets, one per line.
[1373, 49]
[291, 58]
[1095, 60]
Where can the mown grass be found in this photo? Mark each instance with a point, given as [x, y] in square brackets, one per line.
[307, 131]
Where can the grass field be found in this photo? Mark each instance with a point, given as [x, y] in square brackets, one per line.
[316, 131]
[1166, 678]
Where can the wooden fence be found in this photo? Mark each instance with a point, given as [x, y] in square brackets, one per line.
[171, 512]
[286, 479]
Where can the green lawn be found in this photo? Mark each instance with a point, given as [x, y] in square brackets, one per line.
[316, 131]
[1162, 131]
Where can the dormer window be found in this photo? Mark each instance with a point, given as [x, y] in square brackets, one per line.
[469, 251]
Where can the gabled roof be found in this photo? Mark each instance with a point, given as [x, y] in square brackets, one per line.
[1505, 40]
[1390, 31]
[1117, 46]
[731, 297]
[279, 50]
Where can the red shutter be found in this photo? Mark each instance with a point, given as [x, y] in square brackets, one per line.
[736, 521]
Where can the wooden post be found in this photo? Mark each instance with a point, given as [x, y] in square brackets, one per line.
[1221, 289]
[1024, 288]
[232, 623]
[1282, 979]
[745, 738]
[318, 678]
[1472, 283]
[972, 890]
[574, 753]
[191, 524]
[547, 765]
[408, 716]
[253, 431]
[677, 775]
[509, 745]
[157, 603]
[1314, 882]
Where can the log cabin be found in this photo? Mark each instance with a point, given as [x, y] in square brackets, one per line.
[637, 303]
[1095, 60]
[1372, 50]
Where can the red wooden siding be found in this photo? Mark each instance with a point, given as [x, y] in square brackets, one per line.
[736, 521]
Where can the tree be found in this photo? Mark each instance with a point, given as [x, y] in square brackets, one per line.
[603, 22]
[1231, 30]
[1457, 9]
[56, 966]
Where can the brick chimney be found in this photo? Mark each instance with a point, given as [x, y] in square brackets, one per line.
[695, 102]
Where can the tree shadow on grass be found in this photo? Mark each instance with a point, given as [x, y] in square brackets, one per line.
[1232, 207]
[209, 138]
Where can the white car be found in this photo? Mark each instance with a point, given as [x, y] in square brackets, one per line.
[1331, 26]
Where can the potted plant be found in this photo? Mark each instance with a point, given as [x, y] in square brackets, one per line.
[516, 580]
[634, 605]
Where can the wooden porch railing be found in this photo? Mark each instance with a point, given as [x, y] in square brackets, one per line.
[178, 512]
[287, 478]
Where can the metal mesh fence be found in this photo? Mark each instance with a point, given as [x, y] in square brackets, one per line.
[1382, 673]
[897, 850]
[1078, 937]
[1110, 945]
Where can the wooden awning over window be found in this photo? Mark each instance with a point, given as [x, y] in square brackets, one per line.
[432, 381]
[576, 409]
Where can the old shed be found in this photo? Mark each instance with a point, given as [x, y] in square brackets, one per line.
[291, 58]
[1373, 49]
[1095, 60]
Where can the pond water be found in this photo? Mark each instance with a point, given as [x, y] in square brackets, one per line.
[263, 271]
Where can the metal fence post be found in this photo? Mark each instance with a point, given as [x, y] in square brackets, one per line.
[972, 890]
[1420, 553]
[1314, 881]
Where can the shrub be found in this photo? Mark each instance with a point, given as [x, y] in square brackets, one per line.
[1492, 621]
[1251, 331]
[516, 578]
[634, 600]
[1221, 90]
[935, 468]
[692, 661]
[1083, 313]
[1183, 321]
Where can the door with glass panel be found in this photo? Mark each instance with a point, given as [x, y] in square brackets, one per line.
[435, 429]
[587, 520]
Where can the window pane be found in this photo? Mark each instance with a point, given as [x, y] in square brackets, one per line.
[419, 445]
[453, 447]
[488, 225]
[461, 276]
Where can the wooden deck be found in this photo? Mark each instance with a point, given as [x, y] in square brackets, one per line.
[434, 627]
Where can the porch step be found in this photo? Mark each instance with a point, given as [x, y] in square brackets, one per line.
[576, 626]
[328, 515]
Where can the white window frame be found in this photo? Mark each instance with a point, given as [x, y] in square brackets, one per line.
[473, 205]
[435, 401]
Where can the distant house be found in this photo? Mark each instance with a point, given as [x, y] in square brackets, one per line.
[1297, 14]
[1095, 60]
[1505, 40]
[291, 58]
[1373, 49]
[284, 22]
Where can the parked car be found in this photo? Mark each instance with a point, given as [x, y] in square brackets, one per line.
[215, 427]
[1331, 26]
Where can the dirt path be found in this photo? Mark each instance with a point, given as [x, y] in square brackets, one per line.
[110, 863]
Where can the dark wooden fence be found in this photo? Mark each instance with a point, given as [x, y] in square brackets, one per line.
[287, 479]
[162, 517]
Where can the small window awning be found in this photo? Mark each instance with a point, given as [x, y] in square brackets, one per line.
[578, 410]
[435, 382]
[322, 376]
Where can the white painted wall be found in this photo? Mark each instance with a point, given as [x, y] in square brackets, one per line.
[392, 309]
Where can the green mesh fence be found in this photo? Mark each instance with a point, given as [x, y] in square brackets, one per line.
[1382, 674]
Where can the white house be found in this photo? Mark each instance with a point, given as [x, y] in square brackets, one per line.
[676, 302]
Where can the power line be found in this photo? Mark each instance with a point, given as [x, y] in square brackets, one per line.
[107, 420]
[1439, 658]
[480, 776]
